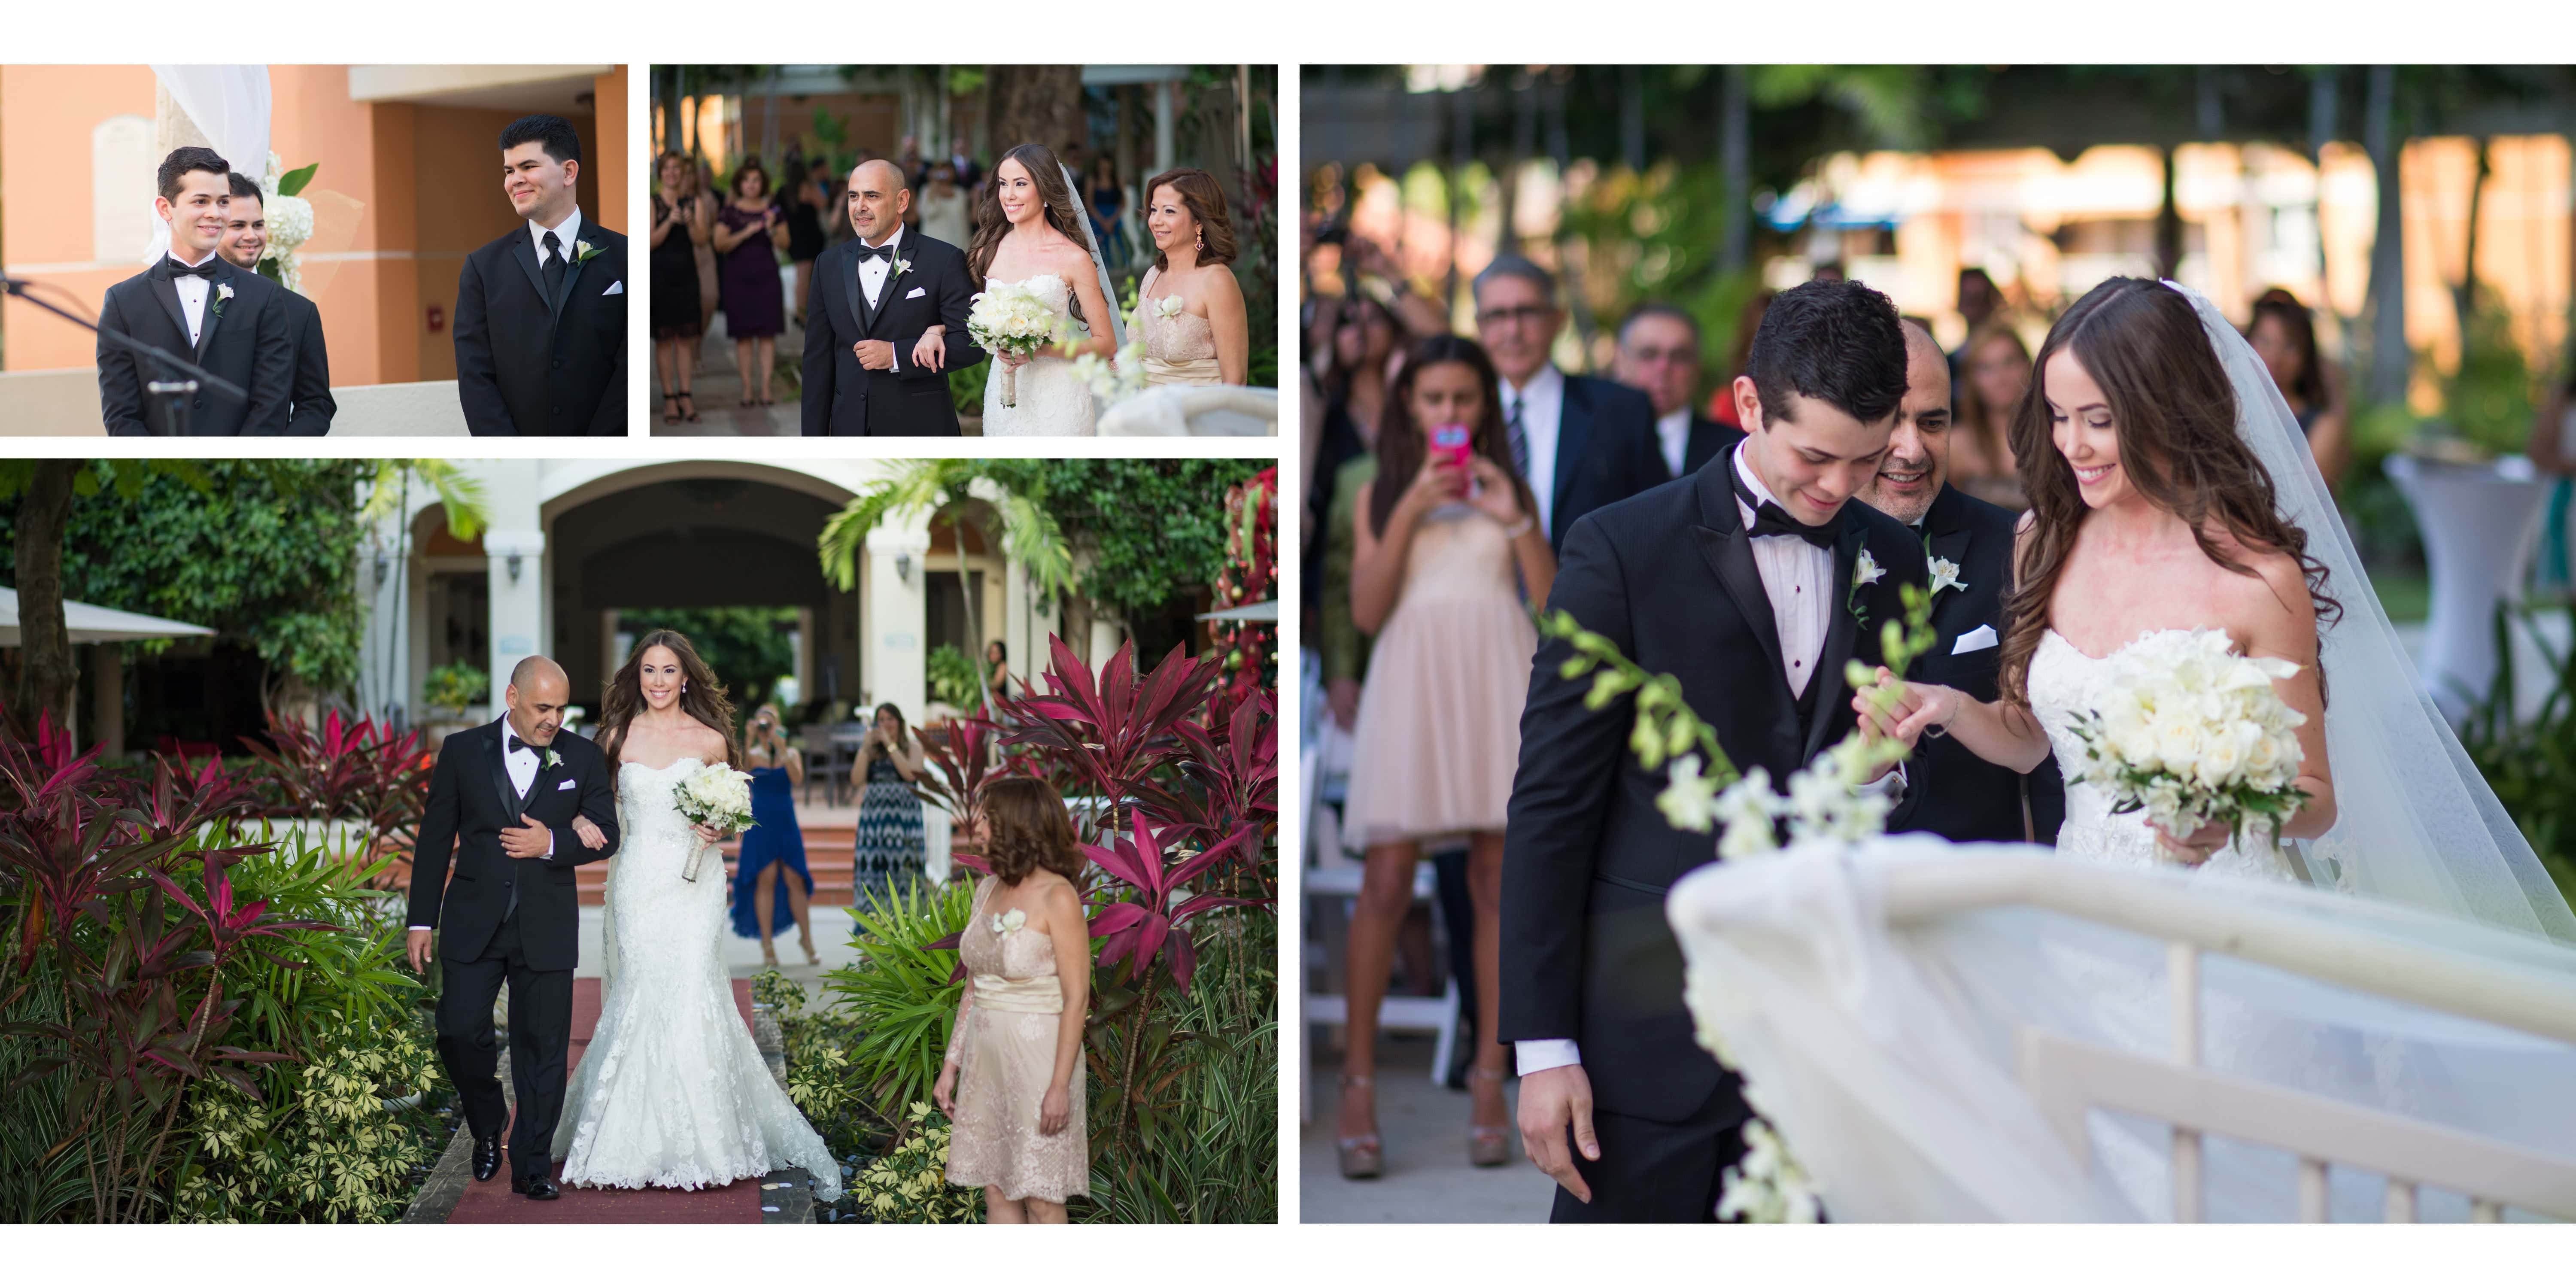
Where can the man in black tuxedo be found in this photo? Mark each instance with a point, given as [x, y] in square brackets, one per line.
[541, 312]
[196, 306]
[245, 240]
[1659, 357]
[1740, 581]
[1576, 439]
[1959, 795]
[886, 321]
[506, 797]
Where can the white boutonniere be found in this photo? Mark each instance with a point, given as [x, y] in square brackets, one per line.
[1864, 573]
[1945, 576]
[1010, 921]
[223, 294]
[582, 251]
[554, 759]
[902, 266]
[1169, 306]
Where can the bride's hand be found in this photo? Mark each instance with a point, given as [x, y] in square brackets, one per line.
[943, 1092]
[709, 833]
[1011, 361]
[591, 837]
[2195, 849]
[1054, 1111]
[1912, 708]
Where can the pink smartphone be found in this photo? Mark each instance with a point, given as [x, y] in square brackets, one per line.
[1453, 443]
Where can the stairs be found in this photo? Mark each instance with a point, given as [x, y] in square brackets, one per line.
[828, 855]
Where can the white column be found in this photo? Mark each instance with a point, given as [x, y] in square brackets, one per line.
[896, 616]
[518, 621]
[1162, 126]
[1105, 640]
[1027, 646]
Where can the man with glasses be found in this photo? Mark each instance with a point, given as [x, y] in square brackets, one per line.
[1577, 440]
[1659, 356]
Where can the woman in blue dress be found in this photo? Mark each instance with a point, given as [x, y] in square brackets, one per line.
[774, 846]
[888, 857]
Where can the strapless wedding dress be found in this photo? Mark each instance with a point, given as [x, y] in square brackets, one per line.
[672, 1091]
[1051, 401]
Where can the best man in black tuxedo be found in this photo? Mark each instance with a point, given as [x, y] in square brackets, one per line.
[1577, 440]
[245, 239]
[197, 306]
[1659, 357]
[1958, 794]
[1739, 581]
[541, 312]
[886, 321]
[505, 796]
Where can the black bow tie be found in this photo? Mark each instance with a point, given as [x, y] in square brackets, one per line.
[1769, 520]
[205, 270]
[515, 745]
[885, 252]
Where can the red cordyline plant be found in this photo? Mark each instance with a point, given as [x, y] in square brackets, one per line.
[93, 862]
[964, 759]
[1250, 577]
[1115, 734]
[362, 772]
[1228, 782]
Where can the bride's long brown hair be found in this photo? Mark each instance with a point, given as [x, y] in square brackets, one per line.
[1060, 213]
[2174, 415]
[700, 695]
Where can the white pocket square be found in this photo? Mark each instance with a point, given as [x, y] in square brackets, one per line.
[565, 786]
[1982, 637]
[916, 293]
[614, 288]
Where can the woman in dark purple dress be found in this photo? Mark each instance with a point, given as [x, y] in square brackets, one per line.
[749, 233]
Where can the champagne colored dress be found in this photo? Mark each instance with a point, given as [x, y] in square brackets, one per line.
[1439, 731]
[1005, 1052]
[1180, 349]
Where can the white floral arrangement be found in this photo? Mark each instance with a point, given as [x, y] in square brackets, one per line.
[718, 795]
[2192, 732]
[1768, 1186]
[1015, 318]
[290, 222]
[1116, 379]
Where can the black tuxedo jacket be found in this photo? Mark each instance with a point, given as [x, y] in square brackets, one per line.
[470, 801]
[1707, 440]
[245, 341]
[1668, 576]
[842, 398]
[1599, 437]
[1958, 795]
[313, 407]
[528, 365]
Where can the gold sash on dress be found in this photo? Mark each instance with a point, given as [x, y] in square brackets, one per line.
[1196, 371]
[1039, 996]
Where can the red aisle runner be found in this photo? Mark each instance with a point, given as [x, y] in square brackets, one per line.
[491, 1202]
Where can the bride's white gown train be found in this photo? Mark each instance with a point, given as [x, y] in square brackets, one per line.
[1051, 401]
[672, 1091]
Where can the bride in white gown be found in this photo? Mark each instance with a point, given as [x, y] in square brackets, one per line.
[672, 1091]
[1030, 232]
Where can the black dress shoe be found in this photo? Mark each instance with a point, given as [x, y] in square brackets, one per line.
[487, 1158]
[539, 1188]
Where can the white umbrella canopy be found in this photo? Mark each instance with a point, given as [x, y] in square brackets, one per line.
[91, 624]
[1265, 611]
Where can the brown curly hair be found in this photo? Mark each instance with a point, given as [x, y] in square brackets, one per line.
[700, 695]
[1205, 201]
[1027, 828]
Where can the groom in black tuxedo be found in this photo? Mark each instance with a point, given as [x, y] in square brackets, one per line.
[886, 321]
[1740, 580]
[1959, 795]
[504, 798]
[197, 306]
[310, 407]
[541, 313]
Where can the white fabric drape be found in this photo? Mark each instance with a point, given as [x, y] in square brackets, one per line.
[230, 104]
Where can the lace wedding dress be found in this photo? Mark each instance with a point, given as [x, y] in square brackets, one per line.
[1051, 401]
[672, 1092]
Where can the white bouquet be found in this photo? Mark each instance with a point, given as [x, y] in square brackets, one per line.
[717, 794]
[2193, 733]
[290, 221]
[1016, 318]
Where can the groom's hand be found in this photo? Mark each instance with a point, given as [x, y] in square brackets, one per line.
[1551, 1101]
[875, 355]
[528, 842]
[416, 947]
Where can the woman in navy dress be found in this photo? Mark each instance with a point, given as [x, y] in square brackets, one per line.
[774, 846]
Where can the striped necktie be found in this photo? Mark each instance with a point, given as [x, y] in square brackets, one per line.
[1519, 436]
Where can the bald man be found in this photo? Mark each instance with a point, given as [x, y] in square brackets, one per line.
[1958, 795]
[504, 805]
[886, 321]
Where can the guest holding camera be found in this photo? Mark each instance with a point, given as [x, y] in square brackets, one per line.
[888, 856]
[775, 846]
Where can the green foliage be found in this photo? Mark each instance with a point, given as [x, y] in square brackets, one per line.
[264, 554]
[39, 1180]
[952, 678]
[455, 686]
[1155, 528]
[748, 647]
[966, 388]
[292, 182]
[1207, 1096]
[347, 975]
[2489, 398]
[330, 1149]
[909, 1183]
[2531, 765]
[899, 998]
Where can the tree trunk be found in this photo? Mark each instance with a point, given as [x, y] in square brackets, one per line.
[45, 645]
[2464, 297]
[2391, 362]
[2168, 224]
[1040, 105]
[1735, 129]
[974, 615]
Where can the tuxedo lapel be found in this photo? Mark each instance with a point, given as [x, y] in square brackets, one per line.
[572, 276]
[848, 272]
[511, 803]
[1730, 556]
[165, 288]
[526, 254]
[1840, 628]
[214, 316]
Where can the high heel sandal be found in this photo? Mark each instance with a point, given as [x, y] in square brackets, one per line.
[769, 956]
[1363, 1157]
[807, 943]
[670, 409]
[691, 415]
[1488, 1146]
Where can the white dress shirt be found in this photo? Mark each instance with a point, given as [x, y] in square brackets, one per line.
[1797, 576]
[192, 293]
[522, 765]
[1673, 428]
[872, 279]
[1542, 407]
[567, 233]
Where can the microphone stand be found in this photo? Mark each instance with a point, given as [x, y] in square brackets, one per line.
[168, 395]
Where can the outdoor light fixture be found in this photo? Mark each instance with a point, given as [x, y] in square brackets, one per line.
[903, 569]
[514, 566]
[383, 563]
